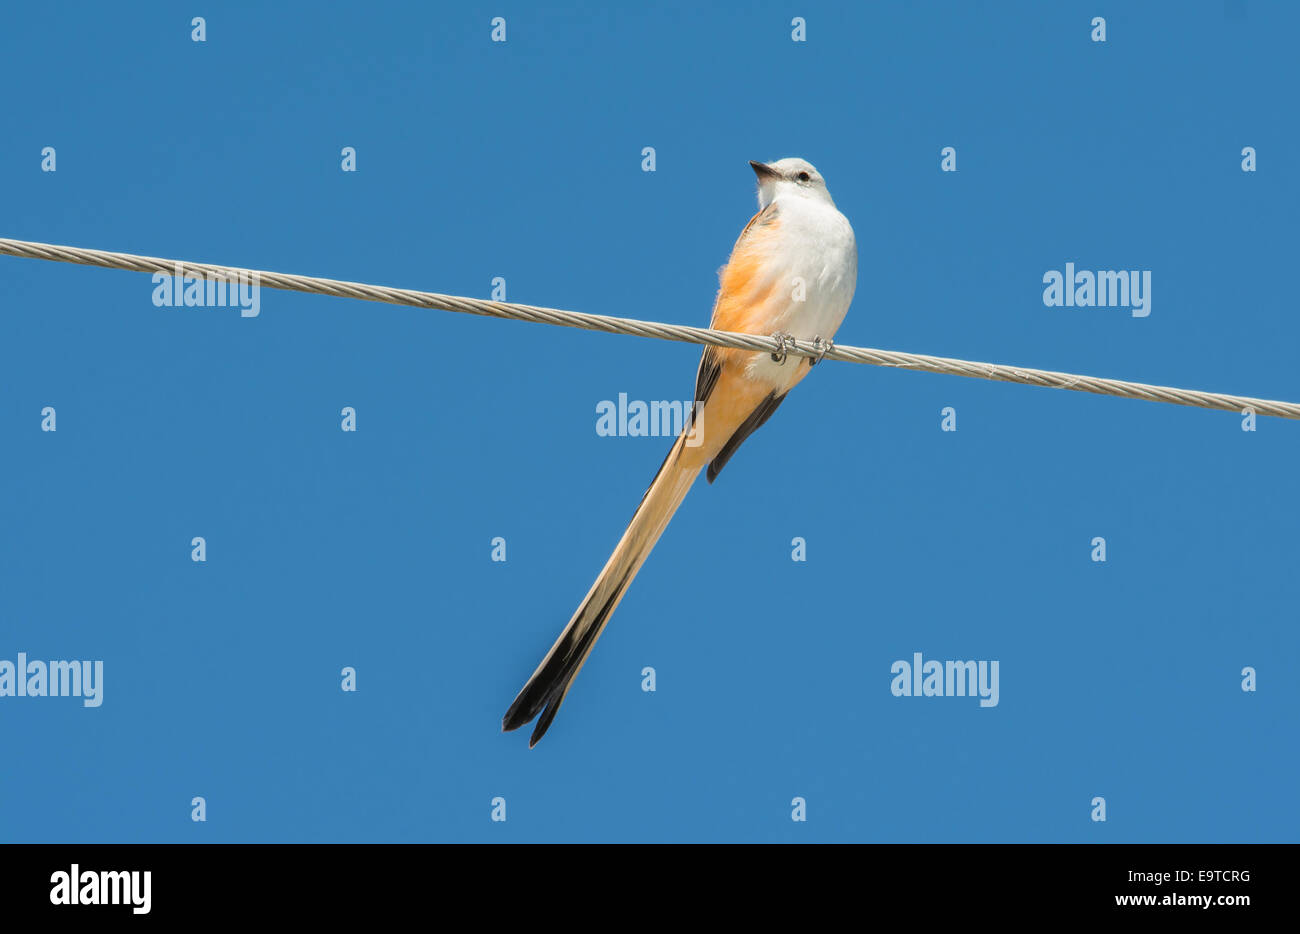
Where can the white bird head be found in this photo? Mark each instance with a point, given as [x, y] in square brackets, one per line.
[789, 178]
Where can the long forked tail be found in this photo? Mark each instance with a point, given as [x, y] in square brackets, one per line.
[549, 684]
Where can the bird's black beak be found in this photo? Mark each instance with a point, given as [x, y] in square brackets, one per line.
[763, 170]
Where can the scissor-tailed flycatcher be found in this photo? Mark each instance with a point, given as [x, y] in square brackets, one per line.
[791, 274]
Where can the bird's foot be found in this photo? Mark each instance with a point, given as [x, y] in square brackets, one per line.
[822, 347]
[782, 339]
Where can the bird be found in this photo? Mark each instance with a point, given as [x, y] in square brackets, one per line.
[791, 274]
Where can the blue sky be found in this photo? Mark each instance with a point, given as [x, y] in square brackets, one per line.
[522, 160]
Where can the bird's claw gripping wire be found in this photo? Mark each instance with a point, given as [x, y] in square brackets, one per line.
[781, 338]
[822, 347]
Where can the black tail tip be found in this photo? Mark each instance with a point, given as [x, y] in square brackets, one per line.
[548, 715]
[519, 714]
[514, 719]
[510, 724]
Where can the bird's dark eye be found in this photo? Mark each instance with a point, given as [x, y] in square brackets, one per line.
[803, 176]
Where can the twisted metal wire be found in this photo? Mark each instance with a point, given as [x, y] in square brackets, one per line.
[672, 332]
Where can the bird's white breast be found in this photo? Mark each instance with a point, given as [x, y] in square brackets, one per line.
[815, 264]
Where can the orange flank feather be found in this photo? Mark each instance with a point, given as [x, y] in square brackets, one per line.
[747, 280]
[748, 292]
